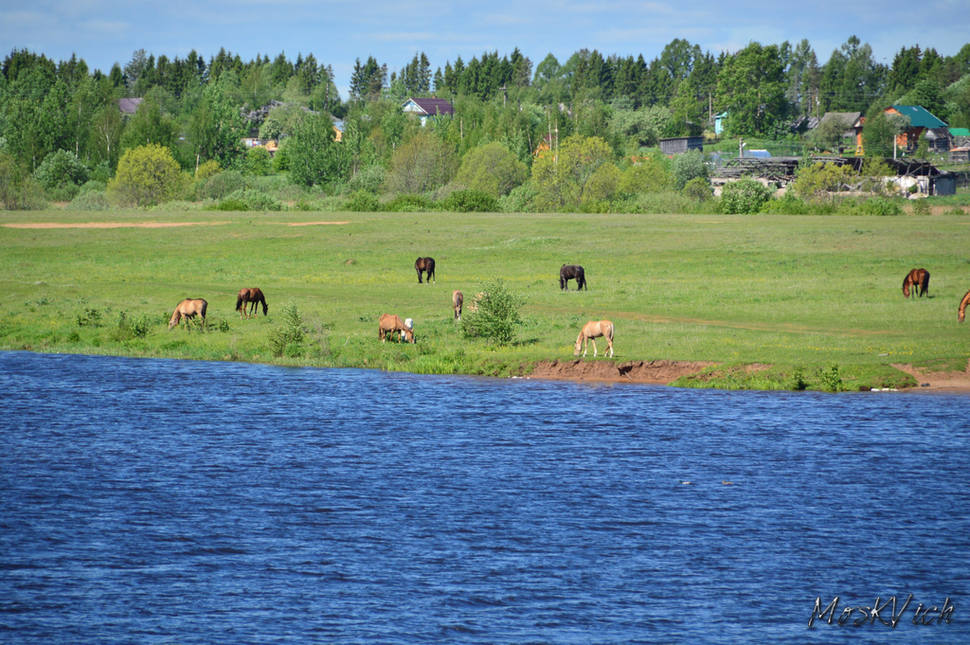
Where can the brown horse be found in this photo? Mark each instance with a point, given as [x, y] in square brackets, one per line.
[425, 265]
[963, 306]
[250, 296]
[591, 331]
[457, 298]
[187, 309]
[390, 323]
[919, 278]
[569, 272]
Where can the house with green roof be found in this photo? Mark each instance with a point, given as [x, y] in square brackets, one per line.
[921, 121]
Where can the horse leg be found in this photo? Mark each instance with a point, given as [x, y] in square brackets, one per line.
[593, 340]
[609, 341]
[419, 275]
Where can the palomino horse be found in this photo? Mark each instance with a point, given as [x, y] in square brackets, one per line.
[591, 331]
[189, 308]
[569, 272]
[919, 278]
[963, 306]
[425, 265]
[251, 296]
[457, 298]
[390, 323]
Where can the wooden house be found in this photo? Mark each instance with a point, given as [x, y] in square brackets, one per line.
[427, 107]
[678, 145]
[920, 121]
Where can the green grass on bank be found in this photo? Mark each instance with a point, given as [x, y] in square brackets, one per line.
[775, 301]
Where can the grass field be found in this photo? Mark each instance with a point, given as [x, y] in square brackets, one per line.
[816, 298]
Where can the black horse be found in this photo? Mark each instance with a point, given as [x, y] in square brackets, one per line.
[425, 265]
[569, 272]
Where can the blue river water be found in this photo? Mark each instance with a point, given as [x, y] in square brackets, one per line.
[158, 501]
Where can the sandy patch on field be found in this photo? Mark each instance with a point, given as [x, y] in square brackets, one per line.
[938, 381]
[659, 372]
[109, 224]
[316, 223]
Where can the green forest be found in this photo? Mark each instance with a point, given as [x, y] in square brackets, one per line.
[553, 136]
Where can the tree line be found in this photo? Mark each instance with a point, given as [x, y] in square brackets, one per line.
[200, 111]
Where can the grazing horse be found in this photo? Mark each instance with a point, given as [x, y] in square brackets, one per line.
[251, 296]
[591, 331]
[919, 278]
[963, 306]
[189, 308]
[457, 298]
[568, 272]
[425, 265]
[390, 323]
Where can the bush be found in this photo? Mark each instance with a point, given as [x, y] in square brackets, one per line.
[147, 175]
[61, 173]
[258, 161]
[221, 184]
[494, 316]
[491, 169]
[249, 199]
[744, 196]
[18, 190]
[648, 175]
[288, 337]
[468, 201]
[698, 188]
[89, 200]
[921, 207]
[880, 206]
[687, 166]
[369, 178]
[519, 200]
[409, 204]
[363, 202]
[207, 169]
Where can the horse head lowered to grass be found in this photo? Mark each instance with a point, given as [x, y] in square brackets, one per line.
[961, 312]
[188, 309]
[426, 266]
[569, 272]
[591, 331]
[251, 296]
[919, 278]
[389, 324]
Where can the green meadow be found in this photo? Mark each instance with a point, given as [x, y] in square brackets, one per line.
[814, 301]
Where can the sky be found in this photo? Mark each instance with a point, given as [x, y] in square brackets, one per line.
[337, 32]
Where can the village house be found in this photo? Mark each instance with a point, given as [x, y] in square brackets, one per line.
[920, 121]
[427, 107]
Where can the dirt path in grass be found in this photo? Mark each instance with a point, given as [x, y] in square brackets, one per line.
[938, 381]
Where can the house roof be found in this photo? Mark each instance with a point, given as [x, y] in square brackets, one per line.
[431, 106]
[960, 132]
[919, 116]
[129, 106]
[850, 118]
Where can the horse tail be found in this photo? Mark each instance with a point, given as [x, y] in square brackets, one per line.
[925, 283]
[262, 299]
[239, 301]
[205, 305]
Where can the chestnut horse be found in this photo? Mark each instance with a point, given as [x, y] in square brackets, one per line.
[963, 306]
[189, 308]
[389, 323]
[568, 272]
[591, 331]
[425, 265]
[251, 296]
[919, 278]
[457, 298]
